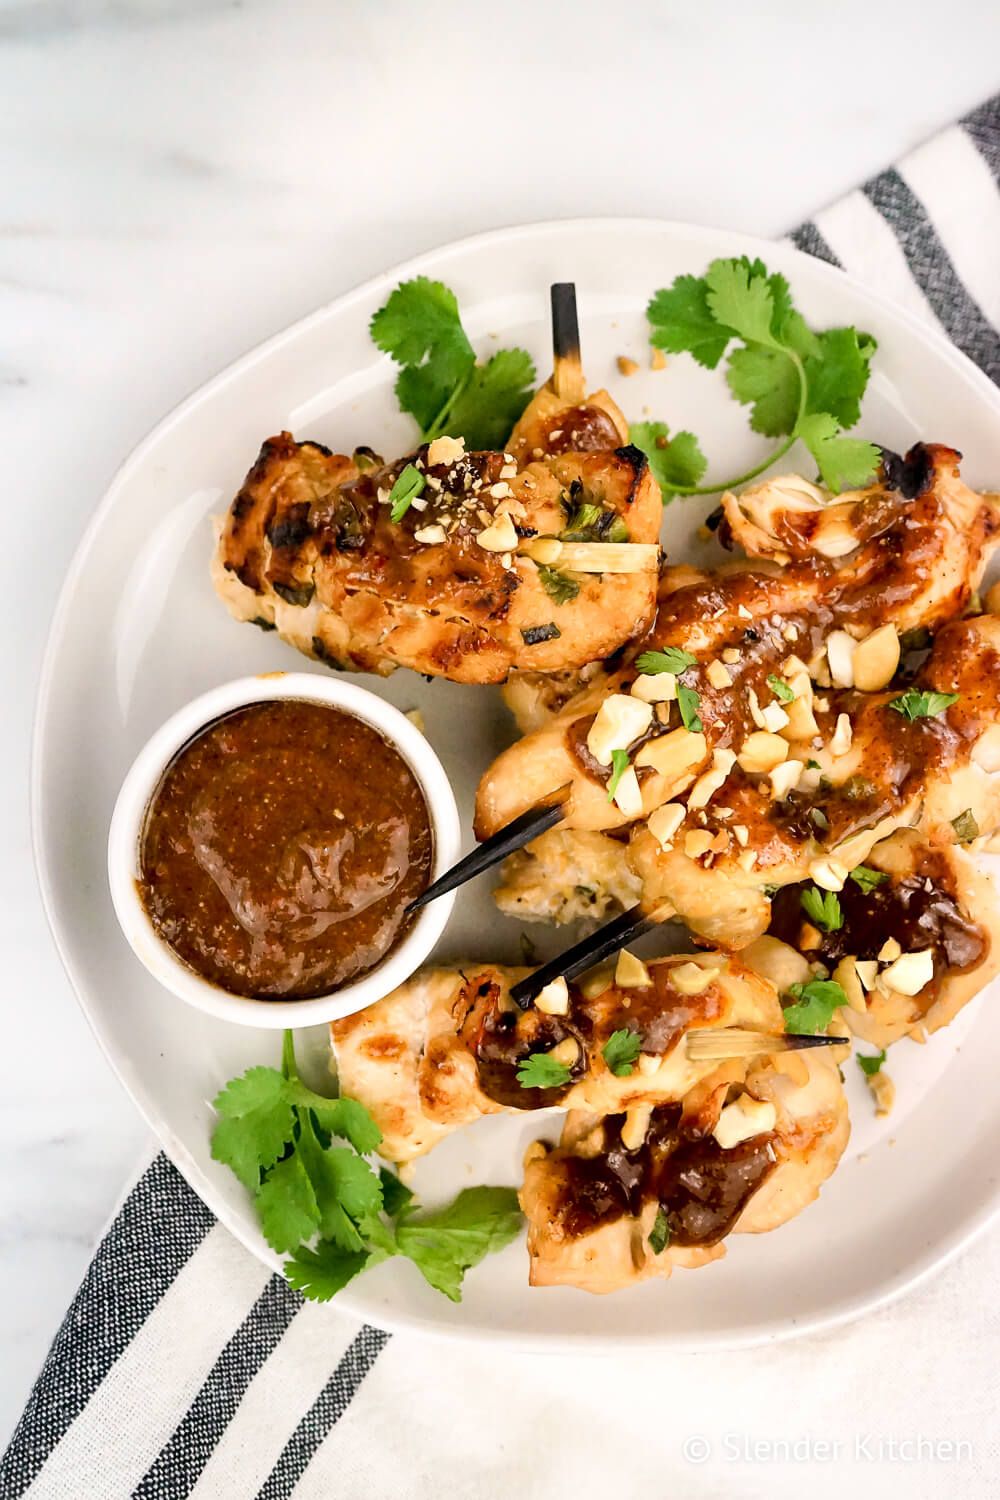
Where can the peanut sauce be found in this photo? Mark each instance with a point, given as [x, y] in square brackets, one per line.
[701, 1188]
[281, 849]
[904, 909]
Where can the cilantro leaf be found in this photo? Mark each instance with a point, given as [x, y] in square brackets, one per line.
[343, 1117]
[619, 765]
[779, 687]
[843, 463]
[814, 1006]
[395, 1194]
[421, 322]
[445, 1243]
[768, 382]
[286, 1204]
[256, 1124]
[872, 1064]
[688, 701]
[491, 402]
[683, 322]
[838, 373]
[822, 908]
[409, 484]
[321, 1273]
[797, 382]
[440, 383]
[867, 878]
[677, 464]
[659, 1235]
[739, 297]
[965, 826]
[672, 659]
[621, 1052]
[539, 1070]
[560, 587]
[916, 705]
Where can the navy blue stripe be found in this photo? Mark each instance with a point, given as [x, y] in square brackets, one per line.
[180, 1462]
[325, 1412]
[158, 1229]
[960, 315]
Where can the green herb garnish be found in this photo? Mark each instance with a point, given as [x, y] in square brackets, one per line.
[619, 765]
[823, 908]
[592, 523]
[779, 687]
[688, 701]
[409, 484]
[915, 705]
[560, 587]
[540, 1070]
[621, 1052]
[302, 1157]
[871, 1065]
[814, 1006]
[440, 383]
[676, 463]
[659, 1235]
[965, 826]
[671, 659]
[798, 383]
[868, 879]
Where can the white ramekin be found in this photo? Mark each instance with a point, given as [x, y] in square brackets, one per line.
[143, 780]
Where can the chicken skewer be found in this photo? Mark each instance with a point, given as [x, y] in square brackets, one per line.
[448, 1046]
[742, 1152]
[777, 781]
[462, 565]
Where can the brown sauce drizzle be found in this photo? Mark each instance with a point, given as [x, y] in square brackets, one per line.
[904, 909]
[701, 1188]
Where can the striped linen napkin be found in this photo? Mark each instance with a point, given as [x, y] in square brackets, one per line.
[184, 1367]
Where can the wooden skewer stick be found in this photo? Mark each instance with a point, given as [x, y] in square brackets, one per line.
[732, 1041]
[520, 831]
[598, 945]
[567, 371]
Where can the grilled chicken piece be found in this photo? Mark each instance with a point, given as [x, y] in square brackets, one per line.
[309, 547]
[932, 901]
[742, 1152]
[444, 1048]
[567, 875]
[740, 826]
[925, 569]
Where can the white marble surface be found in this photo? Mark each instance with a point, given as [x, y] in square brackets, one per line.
[179, 178]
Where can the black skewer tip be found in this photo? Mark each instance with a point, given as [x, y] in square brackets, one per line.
[520, 831]
[610, 938]
[796, 1043]
[565, 325]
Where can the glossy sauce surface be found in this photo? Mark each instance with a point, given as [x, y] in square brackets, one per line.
[701, 1188]
[281, 848]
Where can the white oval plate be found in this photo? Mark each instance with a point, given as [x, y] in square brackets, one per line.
[138, 631]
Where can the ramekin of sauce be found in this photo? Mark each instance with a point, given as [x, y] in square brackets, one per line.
[267, 842]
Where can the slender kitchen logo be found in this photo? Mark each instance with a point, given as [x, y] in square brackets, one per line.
[862, 1448]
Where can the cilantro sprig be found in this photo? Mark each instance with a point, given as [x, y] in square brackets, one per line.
[867, 879]
[439, 382]
[814, 1005]
[870, 1063]
[302, 1157]
[672, 659]
[621, 1051]
[798, 384]
[540, 1070]
[916, 705]
[822, 908]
